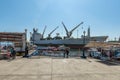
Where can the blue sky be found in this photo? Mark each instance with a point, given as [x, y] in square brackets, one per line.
[103, 16]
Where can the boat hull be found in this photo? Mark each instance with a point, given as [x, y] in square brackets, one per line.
[72, 43]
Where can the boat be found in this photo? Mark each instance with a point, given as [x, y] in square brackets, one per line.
[39, 40]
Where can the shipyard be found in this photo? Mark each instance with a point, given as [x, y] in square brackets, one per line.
[46, 58]
[59, 40]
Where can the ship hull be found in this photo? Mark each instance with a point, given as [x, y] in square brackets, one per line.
[72, 43]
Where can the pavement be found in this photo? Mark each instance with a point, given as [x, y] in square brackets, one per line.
[55, 68]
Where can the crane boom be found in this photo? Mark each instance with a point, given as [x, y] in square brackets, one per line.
[65, 28]
[43, 32]
[52, 31]
[76, 27]
[69, 33]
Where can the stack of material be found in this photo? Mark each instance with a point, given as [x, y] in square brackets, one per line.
[94, 44]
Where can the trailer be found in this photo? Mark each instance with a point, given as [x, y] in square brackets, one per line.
[19, 40]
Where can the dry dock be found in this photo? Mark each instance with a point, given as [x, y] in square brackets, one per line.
[46, 68]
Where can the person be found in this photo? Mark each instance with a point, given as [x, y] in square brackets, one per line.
[111, 55]
[66, 52]
[90, 54]
[26, 52]
[13, 53]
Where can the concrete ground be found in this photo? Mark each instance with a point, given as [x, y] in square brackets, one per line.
[47, 68]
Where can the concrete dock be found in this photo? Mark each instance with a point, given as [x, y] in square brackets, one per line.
[47, 68]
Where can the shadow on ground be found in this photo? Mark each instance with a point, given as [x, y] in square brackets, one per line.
[110, 63]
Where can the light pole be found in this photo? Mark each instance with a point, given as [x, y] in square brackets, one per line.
[84, 45]
[25, 37]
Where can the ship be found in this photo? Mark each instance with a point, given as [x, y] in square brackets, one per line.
[39, 40]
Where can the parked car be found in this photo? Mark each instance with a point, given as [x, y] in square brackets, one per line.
[117, 56]
[95, 54]
[4, 54]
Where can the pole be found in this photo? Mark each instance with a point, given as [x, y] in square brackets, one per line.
[84, 45]
[25, 37]
[33, 38]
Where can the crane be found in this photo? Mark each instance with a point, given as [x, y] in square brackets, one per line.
[69, 33]
[49, 35]
[44, 32]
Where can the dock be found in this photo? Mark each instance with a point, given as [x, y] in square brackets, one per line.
[47, 68]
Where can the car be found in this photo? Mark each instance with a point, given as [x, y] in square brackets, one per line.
[95, 54]
[117, 56]
[4, 54]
